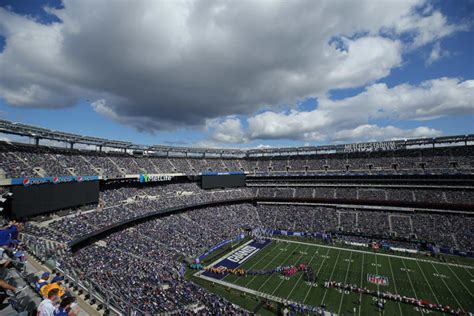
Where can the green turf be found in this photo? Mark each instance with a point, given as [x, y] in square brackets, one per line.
[414, 277]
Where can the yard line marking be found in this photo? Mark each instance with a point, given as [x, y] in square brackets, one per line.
[409, 278]
[427, 282]
[469, 272]
[330, 277]
[394, 284]
[455, 274]
[345, 280]
[301, 256]
[377, 272]
[361, 281]
[309, 264]
[449, 289]
[253, 292]
[317, 274]
[263, 284]
[226, 255]
[381, 254]
[253, 278]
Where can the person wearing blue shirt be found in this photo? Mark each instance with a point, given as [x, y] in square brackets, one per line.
[64, 308]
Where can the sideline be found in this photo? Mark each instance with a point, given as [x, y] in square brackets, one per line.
[372, 253]
[256, 293]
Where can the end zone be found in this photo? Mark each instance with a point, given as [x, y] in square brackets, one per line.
[235, 258]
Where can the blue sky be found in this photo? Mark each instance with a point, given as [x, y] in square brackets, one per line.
[215, 79]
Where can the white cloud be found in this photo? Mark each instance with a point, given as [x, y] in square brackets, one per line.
[371, 132]
[229, 130]
[168, 64]
[349, 118]
[436, 54]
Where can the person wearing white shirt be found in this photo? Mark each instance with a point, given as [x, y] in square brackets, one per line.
[46, 307]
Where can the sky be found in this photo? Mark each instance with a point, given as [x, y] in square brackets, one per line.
[239, 74]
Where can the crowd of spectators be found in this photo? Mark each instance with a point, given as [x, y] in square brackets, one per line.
[142, 265]
[434, 195]
[21, 160]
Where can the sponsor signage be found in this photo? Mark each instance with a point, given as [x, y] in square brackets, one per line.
[54, 180]
[143, 178]
[375, 146]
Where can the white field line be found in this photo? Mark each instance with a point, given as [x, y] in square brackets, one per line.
[460, 281]
[317, 274]
[449, 289]
[394, 284]
[361, 281]
[281, 264]
[299, 279]
[268, 264]
[378, 285]
[427, 282]
[253, 292]
[282, 280]
[409, 278]
[378, 254]
[330, 277]
[226, 255]
[258, 261]
[345, 281]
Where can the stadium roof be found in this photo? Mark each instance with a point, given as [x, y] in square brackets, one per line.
[38, 133]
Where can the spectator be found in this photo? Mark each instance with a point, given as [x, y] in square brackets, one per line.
[65, 308]
[47, 306]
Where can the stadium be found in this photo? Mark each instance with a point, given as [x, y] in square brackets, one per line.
[223, 157]
[359, 228]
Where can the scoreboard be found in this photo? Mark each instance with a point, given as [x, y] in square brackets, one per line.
[213, 180]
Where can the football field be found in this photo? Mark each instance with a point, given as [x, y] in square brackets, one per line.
[437, 282]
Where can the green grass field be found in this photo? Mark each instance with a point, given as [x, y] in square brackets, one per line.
[438, 282]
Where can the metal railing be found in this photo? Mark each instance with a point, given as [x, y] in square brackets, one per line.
[78, 281]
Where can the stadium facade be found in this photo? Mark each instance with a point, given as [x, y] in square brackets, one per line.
[111, 211]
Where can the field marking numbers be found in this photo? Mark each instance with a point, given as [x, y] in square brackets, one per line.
[317, 274]
[380, 254]
[441, 276]
[311, 283]
[455, 274]
[276, 288]
[427, 282]
[409, 279]
[330, 277]
[268, 279]
[254, 277]
[345, 281]
[449, 289]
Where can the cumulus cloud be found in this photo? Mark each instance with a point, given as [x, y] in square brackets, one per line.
[436, 54]
[229, 130]
[349, 118]
[159, 65]
[371, 132]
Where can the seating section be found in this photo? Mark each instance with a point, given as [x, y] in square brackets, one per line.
[149, 255]
[21, 160]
